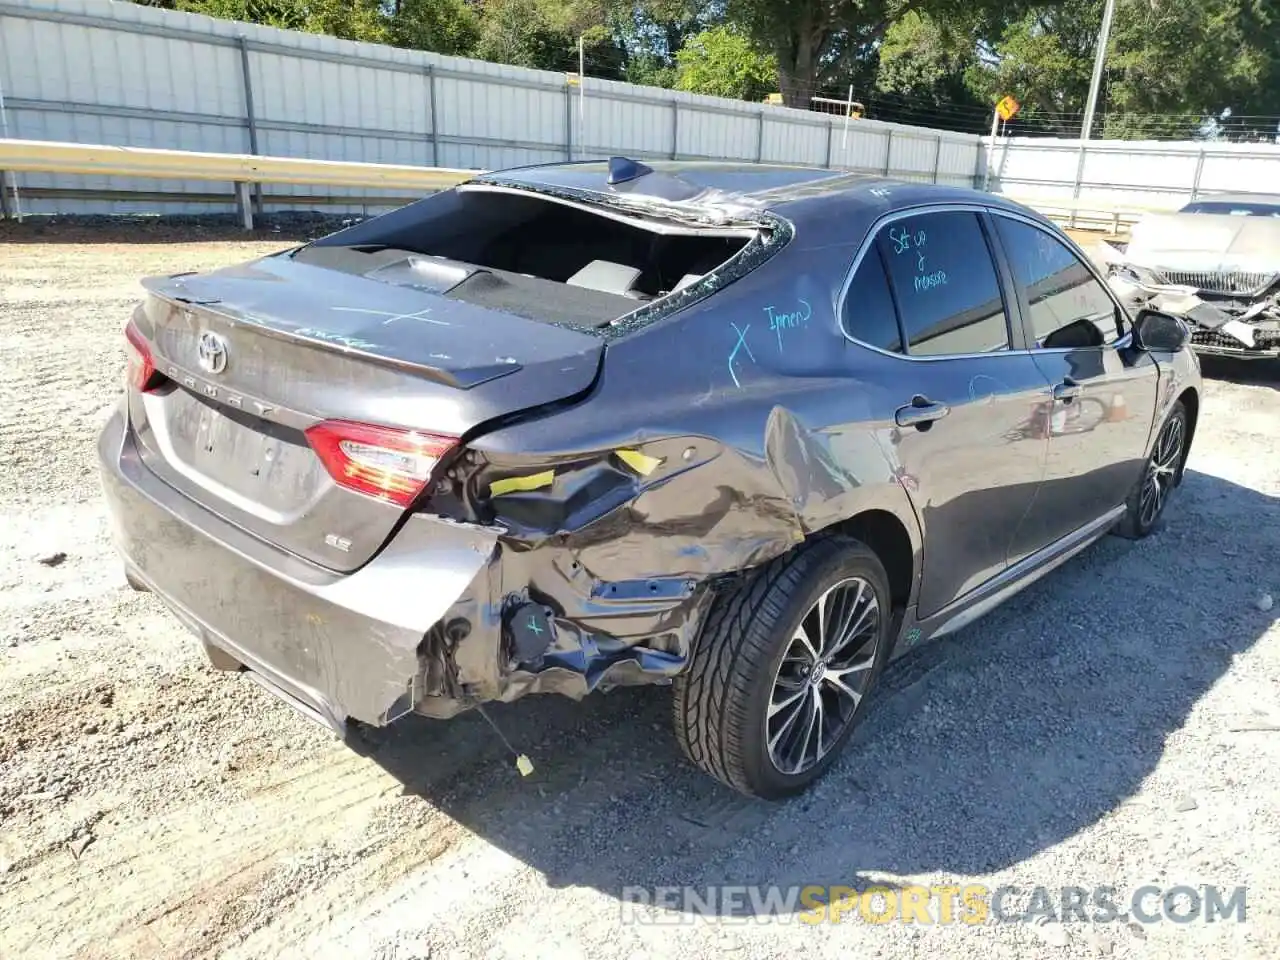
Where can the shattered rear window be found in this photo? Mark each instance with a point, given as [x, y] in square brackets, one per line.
[559, 261]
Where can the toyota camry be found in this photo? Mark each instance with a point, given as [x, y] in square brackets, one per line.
[748, 430]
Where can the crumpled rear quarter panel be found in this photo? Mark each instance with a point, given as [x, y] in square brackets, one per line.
[766, 435]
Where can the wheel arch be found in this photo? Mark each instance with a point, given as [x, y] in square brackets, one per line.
[890, 540]
[1190, 399]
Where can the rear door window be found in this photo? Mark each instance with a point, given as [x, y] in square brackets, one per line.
[868, 314]
[945, 284]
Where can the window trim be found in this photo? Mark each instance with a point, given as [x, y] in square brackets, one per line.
[1017, 308]
[877, 255]
[1017, 335]
[1024, 307]
[1009, 285]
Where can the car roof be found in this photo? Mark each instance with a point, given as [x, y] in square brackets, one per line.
[773, 187]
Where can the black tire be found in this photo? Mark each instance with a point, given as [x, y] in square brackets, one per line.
[1161, 468]
[722, 702]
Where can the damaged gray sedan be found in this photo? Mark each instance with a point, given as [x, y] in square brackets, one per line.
[1216, 264]
[753, 430]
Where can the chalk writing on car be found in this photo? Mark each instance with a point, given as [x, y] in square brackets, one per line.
[741, 344]
[780, 321]
[351, 343]
[930, 281]
[419, 315]
[1045, 251]
[903, 240]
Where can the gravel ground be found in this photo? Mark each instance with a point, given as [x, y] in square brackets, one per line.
[1118, 724]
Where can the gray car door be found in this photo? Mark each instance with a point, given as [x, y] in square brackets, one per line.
[953, 388]
[1104, 390]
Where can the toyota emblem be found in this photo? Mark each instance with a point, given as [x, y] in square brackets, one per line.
[212, 353]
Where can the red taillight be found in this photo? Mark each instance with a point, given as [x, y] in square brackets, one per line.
[383, 462]
[140, 368]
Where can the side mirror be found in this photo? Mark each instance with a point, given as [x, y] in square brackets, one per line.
[1163, 332]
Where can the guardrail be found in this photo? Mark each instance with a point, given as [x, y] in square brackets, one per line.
[242, 170]
[1110, 216]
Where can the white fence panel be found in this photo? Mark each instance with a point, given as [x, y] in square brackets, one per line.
[732, 133]
[617, 122]
[122, 73]
[119, 73]
[1033, 167]
[863, 148]
[957, 163]
[646, 129]
[1246, 167]
[793, 141]
[915, 156]
[1147, 174]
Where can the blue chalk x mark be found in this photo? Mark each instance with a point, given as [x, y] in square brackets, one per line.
[788, 321]
[740, 345]
[533, 625]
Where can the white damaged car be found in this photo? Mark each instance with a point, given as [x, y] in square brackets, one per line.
[1215, 263]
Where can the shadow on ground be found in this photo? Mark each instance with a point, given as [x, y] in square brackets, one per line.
[978, 751]
[1257, 373]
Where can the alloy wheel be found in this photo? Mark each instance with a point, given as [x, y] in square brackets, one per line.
[823, 675]
[1162, 470]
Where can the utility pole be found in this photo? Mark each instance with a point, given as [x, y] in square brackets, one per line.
[1099, 56]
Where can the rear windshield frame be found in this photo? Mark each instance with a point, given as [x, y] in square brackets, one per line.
[765, 232]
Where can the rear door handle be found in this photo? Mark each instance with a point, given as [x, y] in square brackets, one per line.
[1066, 391]
[920, 413]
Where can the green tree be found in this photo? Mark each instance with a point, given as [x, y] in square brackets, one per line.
[518, 32]
[721, 62]
[1044, 59]
[651, 70]
[543, 34]
[1186, 60]
[1170, 65]
[442, 26]
[818, 42]
[348, 19]
[652, 32]
[922, 71]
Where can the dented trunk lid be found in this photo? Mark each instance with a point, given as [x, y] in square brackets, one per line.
[303, 344]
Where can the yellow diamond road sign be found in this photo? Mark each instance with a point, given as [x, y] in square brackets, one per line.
[1007, 108]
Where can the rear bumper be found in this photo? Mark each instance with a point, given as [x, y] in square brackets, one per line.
[335, 646]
